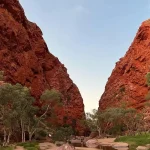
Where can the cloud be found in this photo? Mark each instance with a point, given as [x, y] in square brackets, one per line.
[81, 9]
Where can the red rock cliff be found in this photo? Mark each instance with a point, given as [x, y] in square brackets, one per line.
[25, 59]
[127, 82]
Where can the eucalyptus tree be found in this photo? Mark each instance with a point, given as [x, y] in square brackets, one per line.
[7, 113]
[95, 121]
[38, 122]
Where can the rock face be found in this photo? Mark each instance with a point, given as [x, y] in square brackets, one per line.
[25, 59]
[127, 82]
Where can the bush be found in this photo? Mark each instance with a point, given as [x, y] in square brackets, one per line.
[62, 134]
[41, 134]
[32, 148]
[6, 148]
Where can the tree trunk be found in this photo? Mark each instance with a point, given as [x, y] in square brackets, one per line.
[30, 137]
[24, 137]
[21, 130]
[5, 134]
[99, 132]
[8, 138]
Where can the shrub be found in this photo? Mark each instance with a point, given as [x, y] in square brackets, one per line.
[6, 148]
[62, 134]
[32, 148]
[41, 134]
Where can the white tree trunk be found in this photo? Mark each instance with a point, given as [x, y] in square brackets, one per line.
[30, 136]
[5, 134]
[24, 137]
[8, 138]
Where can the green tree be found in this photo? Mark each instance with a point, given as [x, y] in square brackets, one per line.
[23, 105]
[123, 117]
[62, 134]
[37, 123]
[8, 114]
[95, 121]
[18, 112]
[16, 105]
[113, 122]
[51, 95]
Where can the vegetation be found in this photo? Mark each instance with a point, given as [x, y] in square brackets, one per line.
[6, 148]
[142, 136]
[19, 115]
[114, 121]
[94, 121]
[135, 141]
[62, 134]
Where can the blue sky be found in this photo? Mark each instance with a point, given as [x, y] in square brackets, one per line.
[88, 36]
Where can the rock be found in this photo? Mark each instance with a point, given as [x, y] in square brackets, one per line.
[142, 148]
[92, 143]
[59, 143]
[66, 147]
[86, 139]
[76, 143]
[25, 59]
[127, 82]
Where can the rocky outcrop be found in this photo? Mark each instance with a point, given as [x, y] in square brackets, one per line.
[25, 59]
[127, 82]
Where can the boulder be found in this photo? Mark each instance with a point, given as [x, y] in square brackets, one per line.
[76, 143]
[59, 143]
[86, 139]
[92, 143]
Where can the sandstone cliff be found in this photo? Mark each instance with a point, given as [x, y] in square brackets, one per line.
[127, 82]
[25, 59]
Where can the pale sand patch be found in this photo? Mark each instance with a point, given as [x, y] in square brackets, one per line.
[47, 146]
[19, 148]
[106, 140]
